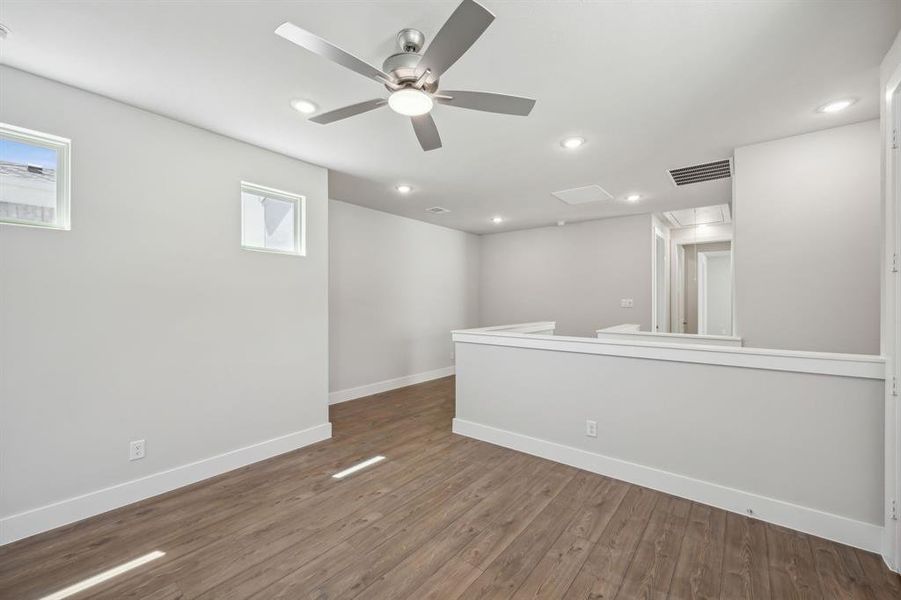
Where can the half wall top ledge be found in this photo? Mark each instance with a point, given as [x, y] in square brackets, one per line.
[692, 349]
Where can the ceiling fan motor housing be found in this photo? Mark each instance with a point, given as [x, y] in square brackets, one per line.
[403, 64]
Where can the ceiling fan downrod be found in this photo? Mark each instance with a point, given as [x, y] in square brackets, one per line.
[410, 40]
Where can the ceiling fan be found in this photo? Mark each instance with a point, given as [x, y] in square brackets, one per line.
[412, 78]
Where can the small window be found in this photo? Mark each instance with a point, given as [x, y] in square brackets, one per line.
[272, 220]
[34, 178]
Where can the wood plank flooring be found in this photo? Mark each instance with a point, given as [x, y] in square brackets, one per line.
[444, 517]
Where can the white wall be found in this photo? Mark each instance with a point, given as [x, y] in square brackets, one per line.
[147, 320]
[801, 449]
[397, 287]
[807, 241]
[575, 275]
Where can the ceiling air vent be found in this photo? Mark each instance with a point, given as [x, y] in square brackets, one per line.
[703, 215]
[719, 169]
[583, 195]
[437, 210]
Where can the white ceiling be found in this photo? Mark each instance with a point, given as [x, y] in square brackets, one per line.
[651, 86]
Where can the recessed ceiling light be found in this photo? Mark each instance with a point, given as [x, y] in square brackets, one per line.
[836, 106]
[633, 197]
[303, 106]
[561, 223]
[497, 220]
[410, 102]
[571, 143]
[404, 188]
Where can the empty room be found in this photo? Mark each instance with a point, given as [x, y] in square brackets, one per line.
[456, 299]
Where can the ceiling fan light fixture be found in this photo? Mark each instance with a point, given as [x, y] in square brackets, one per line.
[410, 102]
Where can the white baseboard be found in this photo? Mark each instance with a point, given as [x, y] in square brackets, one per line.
[859, 534]
[388, 384]
[61, 513]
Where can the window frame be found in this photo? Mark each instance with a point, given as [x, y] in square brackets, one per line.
[63, 148]
[300, 217]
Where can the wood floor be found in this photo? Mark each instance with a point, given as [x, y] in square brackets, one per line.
[442, 517]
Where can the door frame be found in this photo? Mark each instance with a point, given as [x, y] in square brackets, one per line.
[658, 230]
[890, 121]
[678, 298]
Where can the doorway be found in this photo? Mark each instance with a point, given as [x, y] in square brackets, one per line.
[715, 292]
[691, 274]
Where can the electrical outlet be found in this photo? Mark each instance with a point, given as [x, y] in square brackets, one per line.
[627, 303]
[591, 428]
[136, 450]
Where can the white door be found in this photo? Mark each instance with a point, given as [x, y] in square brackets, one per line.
[715, 293]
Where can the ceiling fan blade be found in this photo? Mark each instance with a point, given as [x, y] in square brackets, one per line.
[487, 101]
[461, 30]
[317, 45]
[426, 132]
[348, 111]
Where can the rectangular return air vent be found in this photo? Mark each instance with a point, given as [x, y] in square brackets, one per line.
[583, 195]
[437, 210]
[719, 169]
[703, 215]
